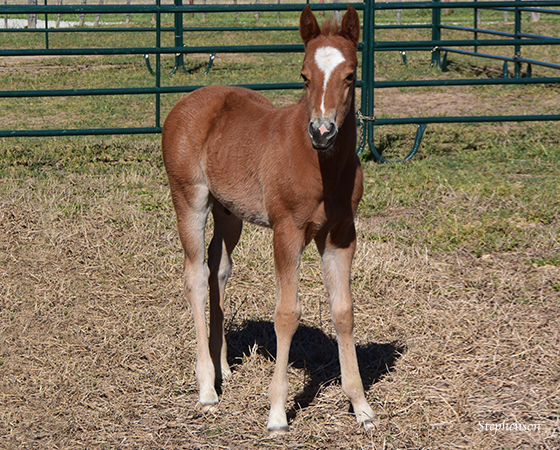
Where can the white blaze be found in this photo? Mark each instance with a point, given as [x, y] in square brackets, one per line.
[327, 58]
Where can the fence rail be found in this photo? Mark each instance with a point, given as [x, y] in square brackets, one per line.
[440, 47]
[437, 45]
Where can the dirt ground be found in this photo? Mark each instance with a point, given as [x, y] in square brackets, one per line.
[97, 344]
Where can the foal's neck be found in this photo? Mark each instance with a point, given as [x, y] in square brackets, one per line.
[345, 144]
[342, 161]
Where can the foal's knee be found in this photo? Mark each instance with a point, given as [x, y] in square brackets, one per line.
[224, 271]
[343, 317]
[287, 319]
[196, 278]
[220, 264]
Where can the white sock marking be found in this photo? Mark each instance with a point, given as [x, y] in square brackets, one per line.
[327, 58]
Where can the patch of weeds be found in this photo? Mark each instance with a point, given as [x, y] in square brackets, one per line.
[526, 300]
[553, 260]
[74, 208]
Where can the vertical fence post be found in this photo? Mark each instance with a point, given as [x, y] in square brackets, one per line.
[82, 16]
[368, 77]
[365, 56]
[59, 16]
[370, 64]
[98, 16]
[46, 28]
[517, 64]
[365, 80]
[178, 35]
[337, 15]
[436, 35]
[476, 22]
[32, 18]
[158, 61]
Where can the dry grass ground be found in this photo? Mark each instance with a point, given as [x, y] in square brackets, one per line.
[97, 344]
[456, 281]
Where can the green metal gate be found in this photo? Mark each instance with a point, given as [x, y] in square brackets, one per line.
[368, 83]
[440, 47]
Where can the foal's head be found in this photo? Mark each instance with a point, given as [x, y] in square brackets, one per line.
[329, 73]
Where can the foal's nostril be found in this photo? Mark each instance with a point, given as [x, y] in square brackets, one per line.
[323, 129]
[320, 128]
[322, 133]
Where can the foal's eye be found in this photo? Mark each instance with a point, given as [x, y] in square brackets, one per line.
[350, 77]
[305, 79]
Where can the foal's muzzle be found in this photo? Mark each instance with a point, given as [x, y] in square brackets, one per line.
[323, 133]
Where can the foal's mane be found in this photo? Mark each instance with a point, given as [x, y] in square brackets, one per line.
[329, 27]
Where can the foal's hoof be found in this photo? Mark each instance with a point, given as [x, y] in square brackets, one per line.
[370, 425]
[277, 431]
[210, 408]
[208, 398]
[225, 375]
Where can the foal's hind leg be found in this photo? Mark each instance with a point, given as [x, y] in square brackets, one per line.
[337, 251]
[192, 204]
[227, 230]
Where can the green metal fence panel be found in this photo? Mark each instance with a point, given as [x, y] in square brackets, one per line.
[179, 49]
[438, 45]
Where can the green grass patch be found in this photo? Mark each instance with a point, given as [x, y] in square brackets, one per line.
[475, 188]
[499, 197]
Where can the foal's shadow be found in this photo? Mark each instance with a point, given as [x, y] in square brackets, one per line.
[313, 351]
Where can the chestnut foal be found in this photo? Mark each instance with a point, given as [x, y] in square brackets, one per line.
[229, 151]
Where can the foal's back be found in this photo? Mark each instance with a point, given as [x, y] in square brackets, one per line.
[245, 150]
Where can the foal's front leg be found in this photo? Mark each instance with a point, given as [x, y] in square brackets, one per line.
[337, 251]
[288, 246]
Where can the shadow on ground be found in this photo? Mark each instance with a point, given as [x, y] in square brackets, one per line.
[313, 351]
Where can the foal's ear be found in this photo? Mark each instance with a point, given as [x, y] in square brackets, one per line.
[350, 28]
[308, 26]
